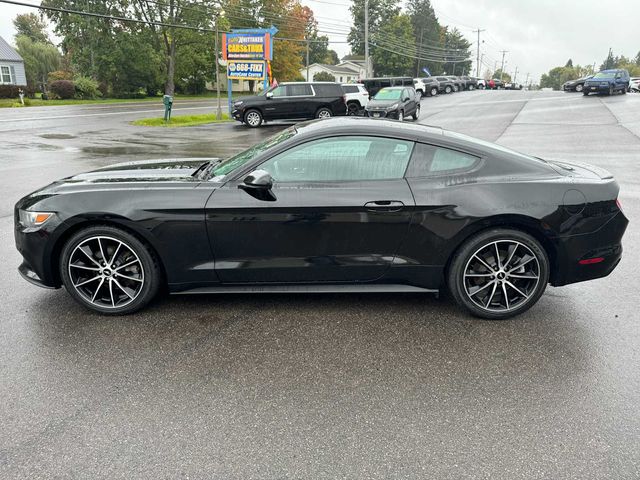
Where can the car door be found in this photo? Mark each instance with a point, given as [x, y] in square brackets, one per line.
[303, 99]
[279, 104]
[342, 208]
[410, 104]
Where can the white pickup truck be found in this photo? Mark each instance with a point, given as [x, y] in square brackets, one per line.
[356, 97]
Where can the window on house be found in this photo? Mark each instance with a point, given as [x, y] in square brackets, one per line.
[5, 74]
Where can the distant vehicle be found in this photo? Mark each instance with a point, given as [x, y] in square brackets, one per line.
[470, 83]
[373, 85]
[576, 85]
[634, 84]
[356, 97]
[432, 86]
[445, 85]
[458, 83]
[496, 84]
[607, 81]
[419, 87]
[292, 101]
[482, 83]
[512, 86]
[394, 102]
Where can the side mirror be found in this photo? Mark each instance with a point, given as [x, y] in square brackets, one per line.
[258, 184]
[405, 99]
[269, 95]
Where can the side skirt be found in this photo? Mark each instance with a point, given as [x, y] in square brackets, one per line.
[306, 288]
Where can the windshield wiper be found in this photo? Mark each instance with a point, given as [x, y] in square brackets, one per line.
[200, 168]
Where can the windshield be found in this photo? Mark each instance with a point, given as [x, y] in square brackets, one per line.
[388, 94]
[604, 75]
[219, 170]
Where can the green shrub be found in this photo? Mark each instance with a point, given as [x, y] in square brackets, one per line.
[10, 91]
[63, 89]
[59, 75]
[324, 77]
[86, 88]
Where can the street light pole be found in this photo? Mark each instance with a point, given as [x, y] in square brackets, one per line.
[478, 53]
[219, 114]
[366, 37]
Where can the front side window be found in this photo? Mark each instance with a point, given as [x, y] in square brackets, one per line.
[5, 74]
[280, 91]
[342, 159]
[429, 160]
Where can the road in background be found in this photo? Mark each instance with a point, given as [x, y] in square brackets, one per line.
[317, 386]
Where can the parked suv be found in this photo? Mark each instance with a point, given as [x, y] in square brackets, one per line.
[607, 81]
[357, 97]
[458, 83]
[431, 86]
[292, 101]
[470, 83]
[445, 85]
[373, 85]
[394, 102]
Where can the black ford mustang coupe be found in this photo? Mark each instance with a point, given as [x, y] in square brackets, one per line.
[349, 204]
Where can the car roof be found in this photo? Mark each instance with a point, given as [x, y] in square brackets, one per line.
[368, 125]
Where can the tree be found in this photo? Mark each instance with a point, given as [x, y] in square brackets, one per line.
[39, 59]
[569, 64]
[427, 34]
[456, 54]
[380, 12]
[505, 76]
[608, 63]
[385, 60]
[324, 77]
[31, 26]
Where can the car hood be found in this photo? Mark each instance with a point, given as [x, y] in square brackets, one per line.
[381, 103]
[250, 100]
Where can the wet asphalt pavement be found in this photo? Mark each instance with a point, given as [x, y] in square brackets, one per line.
[320, 386]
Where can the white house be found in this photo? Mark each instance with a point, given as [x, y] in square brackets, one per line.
[350, 69]
[11, 66]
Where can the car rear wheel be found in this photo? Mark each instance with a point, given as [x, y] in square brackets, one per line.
[499, 273]
[323, 113]
[579, 88]
[109, 270]
[352, 108]
[253, 118]
[447, 89]
[434, 91]
[401, 116]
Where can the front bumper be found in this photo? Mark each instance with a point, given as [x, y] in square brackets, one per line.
[238, 114]
[36, 248]
[382, 114]
[596, 88]
[605, 244]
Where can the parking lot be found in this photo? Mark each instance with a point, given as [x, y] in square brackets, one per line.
[321, 386]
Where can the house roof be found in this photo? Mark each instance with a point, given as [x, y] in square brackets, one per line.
[337, 69]
[353, 58]
[7, 52]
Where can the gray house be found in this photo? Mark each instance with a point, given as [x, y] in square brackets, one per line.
[11, 65]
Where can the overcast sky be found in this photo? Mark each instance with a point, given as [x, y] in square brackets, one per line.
[538, 34]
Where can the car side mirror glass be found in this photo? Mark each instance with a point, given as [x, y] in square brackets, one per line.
[258, 184]
[269, 95]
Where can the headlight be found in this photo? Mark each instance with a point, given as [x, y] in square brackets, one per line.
[34, 219]
[392, 107]
[238, 103]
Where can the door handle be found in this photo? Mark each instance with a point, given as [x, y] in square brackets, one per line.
[384, 205]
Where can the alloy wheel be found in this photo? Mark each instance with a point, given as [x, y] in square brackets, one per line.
[400, 116]
[106, 272]
[501, 276]
[253, 119]
[579, 88]
[324, 114]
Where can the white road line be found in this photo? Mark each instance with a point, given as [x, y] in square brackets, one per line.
[99, 114]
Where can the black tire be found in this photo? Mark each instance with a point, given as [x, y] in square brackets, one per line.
[253, 118]
[353, 108]
[447, 89]
[419, 94]
[324, 112]
[624, 90]
[579, 88]
[471, 88]
[468, 272]
[416, 114]
[401, 115]
[434, 91]
[132, 274]
[585, 93]
[611, 90]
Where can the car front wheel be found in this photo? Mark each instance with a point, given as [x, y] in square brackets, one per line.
[416, 114]
[447, 89]
[253, 118]
[499, 273]
[434, 91]
[109, 271]
[579, 88]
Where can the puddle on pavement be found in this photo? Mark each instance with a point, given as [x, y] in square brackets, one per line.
[57, 136]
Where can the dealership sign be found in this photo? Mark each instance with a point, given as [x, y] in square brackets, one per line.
[247, 46]
[245, 70]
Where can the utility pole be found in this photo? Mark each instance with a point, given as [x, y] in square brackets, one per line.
[418, 49]
[219, 114]
[504, 52]
[478, 53]
[515, 74]
[527, 80]
[366, 37]
[308, 59]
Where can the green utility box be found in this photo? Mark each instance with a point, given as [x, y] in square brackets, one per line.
[168, 103]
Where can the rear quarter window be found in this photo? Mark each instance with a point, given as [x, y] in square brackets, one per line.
[431, 160]
[350, 88]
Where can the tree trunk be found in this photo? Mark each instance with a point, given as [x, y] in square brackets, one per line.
[169, 87]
